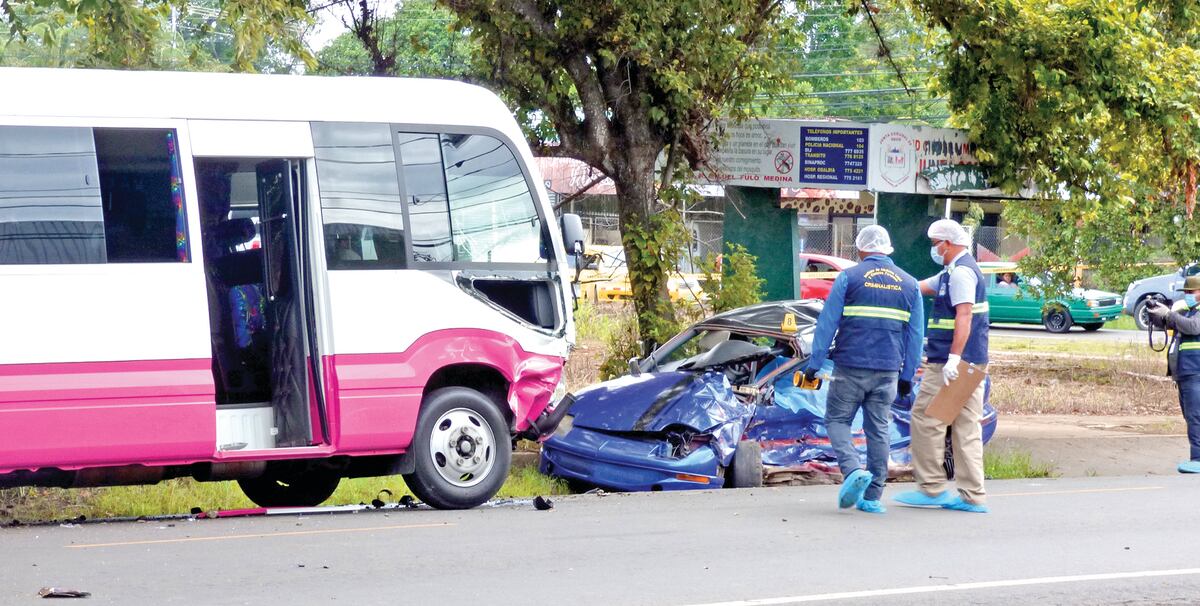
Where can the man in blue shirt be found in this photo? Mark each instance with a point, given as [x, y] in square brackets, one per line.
[875, 309]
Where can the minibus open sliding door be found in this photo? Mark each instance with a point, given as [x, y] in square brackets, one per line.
[294, 353]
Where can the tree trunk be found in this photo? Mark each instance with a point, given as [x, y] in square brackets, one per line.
[636, 199]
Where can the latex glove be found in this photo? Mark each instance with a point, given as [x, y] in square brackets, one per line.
[1157, 309]
[903, 388]
[950, 370]
[810, 374]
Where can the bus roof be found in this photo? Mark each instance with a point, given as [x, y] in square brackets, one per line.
[42, 92]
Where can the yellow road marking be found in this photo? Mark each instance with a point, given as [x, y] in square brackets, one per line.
[264, 535]
[1079, 491]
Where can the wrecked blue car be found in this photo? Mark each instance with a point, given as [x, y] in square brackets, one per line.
[714, 406]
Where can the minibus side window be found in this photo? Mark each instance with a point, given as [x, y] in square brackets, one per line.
[425, 187]
[360, 195]
[80, 195]
[491, 210]
[143, 195]
[468, 201]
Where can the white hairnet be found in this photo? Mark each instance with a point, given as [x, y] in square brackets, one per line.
[950, 231]
[874, 239]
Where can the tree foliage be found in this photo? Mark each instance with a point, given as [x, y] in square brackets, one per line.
[620, 84]
[415, 40]
[136, 33]
[735, 283]
[1094, 102]
[859, 65]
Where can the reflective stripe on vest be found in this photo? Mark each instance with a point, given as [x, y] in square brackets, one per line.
[866, 311]
[948, 323]
[1186, 345]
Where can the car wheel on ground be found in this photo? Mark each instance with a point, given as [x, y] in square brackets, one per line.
[1056, 319]
[1092, 326]
[746, 469]
[461, 449]
[306, 489]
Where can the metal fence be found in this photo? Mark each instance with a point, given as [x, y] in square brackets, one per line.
[835, 239]
[998, 242]
[704, 221]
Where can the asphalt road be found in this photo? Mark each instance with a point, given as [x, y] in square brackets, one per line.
[1032, 331]
[1074, 541]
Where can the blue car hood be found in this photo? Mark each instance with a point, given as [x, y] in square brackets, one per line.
[652, 402]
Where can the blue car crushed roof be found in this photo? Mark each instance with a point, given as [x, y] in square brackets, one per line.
[715, 406]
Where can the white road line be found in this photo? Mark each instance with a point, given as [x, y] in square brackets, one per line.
[878, 593]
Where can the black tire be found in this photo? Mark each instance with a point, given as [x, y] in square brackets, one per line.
[1092, 326]
[1057, 319]
[1141, 316]
[746, 468]
[308, 489]
[459, 408]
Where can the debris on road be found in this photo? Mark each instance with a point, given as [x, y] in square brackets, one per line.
[541, 503]
[378, 502]
[55, 592]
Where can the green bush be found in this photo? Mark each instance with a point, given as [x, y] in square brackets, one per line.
[738, 285]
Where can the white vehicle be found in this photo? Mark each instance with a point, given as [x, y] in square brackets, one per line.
[281, 280]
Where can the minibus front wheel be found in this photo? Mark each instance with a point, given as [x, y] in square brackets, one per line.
[461, 449]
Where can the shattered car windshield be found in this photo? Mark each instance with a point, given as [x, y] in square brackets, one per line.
[703, 343]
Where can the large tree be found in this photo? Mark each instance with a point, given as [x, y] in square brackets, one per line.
[622, 83]
[1097, 104]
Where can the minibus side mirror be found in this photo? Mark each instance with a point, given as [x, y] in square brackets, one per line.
[573, 236]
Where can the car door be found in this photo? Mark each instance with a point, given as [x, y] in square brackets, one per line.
[1027, 304]
[1001, 300]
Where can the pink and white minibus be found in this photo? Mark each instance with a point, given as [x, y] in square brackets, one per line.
[279, 280]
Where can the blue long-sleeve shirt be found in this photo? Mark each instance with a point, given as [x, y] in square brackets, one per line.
[831, 318]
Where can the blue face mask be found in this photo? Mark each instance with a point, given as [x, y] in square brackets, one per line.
[936, 256]
[1189, 299]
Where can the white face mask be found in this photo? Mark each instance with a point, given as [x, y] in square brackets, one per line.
[936, 256]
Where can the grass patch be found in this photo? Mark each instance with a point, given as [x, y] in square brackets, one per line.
[179, 496]
[1081, 347]
[596, 325]
[1012, 465]
[1081, 384]
[1121, 322]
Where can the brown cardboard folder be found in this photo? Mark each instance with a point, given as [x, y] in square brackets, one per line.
[953, 396]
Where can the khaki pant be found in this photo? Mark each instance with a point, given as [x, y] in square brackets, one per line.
[929, 442]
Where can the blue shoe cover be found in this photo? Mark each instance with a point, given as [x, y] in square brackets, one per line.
[961, 505]
[853, 488]
[1189, 467]
[870, 506]
[917, 498]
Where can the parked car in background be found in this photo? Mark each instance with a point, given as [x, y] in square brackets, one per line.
[1011, 300]
[817, 273]
[715, 406]
[1167, 288]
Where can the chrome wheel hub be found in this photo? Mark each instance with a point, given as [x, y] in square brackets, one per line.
[463, 447]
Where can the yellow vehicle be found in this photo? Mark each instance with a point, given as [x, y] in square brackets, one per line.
[606, 278]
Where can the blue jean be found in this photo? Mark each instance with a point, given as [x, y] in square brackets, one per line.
[1189, 402]
[873, 391]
